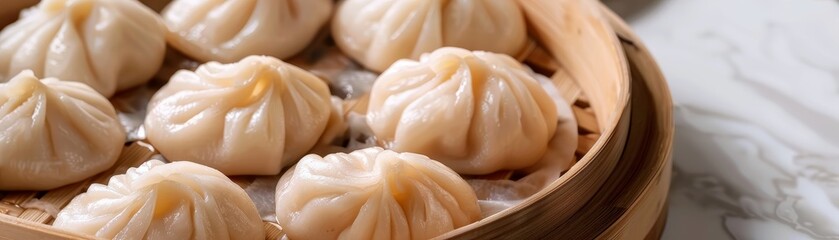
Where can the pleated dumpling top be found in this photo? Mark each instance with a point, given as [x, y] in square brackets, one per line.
[476, 112]
[53, 133]
[181, 200]
[230, 30]
[373, 194]
[377, 33]
[110, 45]
[252, 117]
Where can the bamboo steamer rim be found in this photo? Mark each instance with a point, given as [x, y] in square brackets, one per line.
[653, 195]
[632, 203]
[538, 13]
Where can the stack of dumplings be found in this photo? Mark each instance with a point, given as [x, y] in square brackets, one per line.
[110, 45]
[53, 133]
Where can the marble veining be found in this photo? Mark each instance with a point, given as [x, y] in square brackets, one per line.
[756, 87]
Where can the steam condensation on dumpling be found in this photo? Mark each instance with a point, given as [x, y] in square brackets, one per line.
[379, 32]
[477, 112]
[110, 45]
[229, 30]
[373, 194]
[252, 117]
[179, 200]
[53, 133]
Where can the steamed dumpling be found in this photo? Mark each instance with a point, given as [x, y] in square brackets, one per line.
[476, 112]
[248, 118]
[379, 32]
[53, 133]
[111, 45]
[229, 30]
[180, 200]
[373, 194]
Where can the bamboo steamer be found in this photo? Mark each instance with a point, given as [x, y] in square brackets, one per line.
[632, 203]
[589, 56]
[586, 61]
[654, 110]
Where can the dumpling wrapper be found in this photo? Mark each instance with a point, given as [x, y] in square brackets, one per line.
[110, 45]
[377, 33]
[253, 117]
[476, 112]
[181, 200]
[373, 194]
[53, 133]
[229, 30]
[498, 195]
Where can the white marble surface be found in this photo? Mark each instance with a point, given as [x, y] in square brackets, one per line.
[756, 87]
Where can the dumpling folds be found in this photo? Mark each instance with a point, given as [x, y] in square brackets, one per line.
[110, 45]
[180, 200]
[379, 32]
[229, 30]
[53, 133]
[476, 112]
[373, 194]
[248, 118]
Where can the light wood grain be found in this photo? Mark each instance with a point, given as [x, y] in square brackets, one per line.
[644, 209]
[575, 33]
[631, 203]
[273, 231]
[15, 228]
